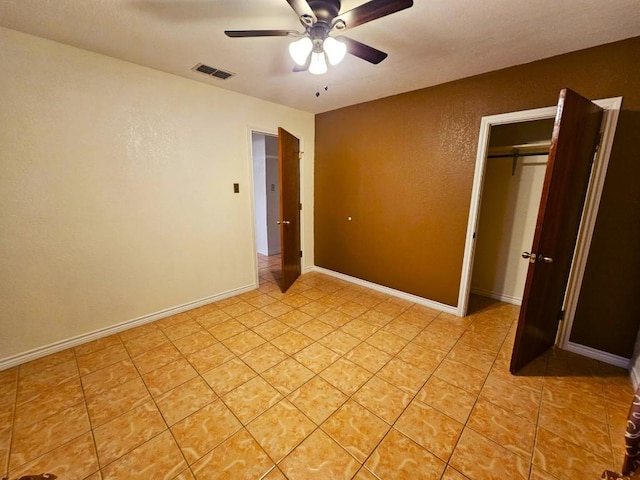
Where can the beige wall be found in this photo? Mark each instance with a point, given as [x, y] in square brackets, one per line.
[116, 196]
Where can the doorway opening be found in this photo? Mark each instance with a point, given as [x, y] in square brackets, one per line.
[266, 197]
[505, 124]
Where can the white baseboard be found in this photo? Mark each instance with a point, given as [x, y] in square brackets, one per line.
[39, 352]
[390, 291]
[605, 357]
[497, 296]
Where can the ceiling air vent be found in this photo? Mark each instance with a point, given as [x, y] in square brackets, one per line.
[214, 72]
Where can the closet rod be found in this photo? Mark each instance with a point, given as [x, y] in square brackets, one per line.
[516, 154]
[514, 157]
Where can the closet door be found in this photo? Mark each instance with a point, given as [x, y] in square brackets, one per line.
[575, 137]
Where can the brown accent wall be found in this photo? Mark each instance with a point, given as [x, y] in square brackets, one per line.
[402, 168]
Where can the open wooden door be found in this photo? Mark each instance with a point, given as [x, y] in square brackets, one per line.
[575, 138]
[289, 159]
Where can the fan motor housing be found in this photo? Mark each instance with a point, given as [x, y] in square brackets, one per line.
[325, 10]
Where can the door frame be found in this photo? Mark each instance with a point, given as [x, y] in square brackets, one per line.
[273, 132]
[253, 179]
[611, 108]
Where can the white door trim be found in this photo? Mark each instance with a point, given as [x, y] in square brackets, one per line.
[588, 222]
[476, 192]
[612, 109]
[274, 133]
[250, 131]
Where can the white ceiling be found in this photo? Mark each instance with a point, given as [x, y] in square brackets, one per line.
[433, 42]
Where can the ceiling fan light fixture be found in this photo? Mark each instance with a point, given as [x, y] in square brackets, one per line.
[335, 50]
[318, 65]
[321, 17]
[300, 50]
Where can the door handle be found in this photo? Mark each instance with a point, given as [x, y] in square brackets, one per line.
[284, 222]
[533, 258]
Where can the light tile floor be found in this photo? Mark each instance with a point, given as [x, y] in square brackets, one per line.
[328, 381]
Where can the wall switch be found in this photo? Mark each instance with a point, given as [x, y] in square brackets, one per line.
[236, 188]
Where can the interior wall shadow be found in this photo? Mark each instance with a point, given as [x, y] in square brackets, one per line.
[611, 324]
[478, 303]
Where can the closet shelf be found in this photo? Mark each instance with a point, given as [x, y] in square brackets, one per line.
[517, 151]
[522, 150]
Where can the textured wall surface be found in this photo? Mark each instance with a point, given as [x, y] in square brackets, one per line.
[116, 190]
[402, 167]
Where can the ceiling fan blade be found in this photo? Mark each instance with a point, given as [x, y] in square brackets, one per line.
[363, 51]
[372, 10]
[260, 33]
[302, 9]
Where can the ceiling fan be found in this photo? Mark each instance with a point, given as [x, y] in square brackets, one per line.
[322, 17]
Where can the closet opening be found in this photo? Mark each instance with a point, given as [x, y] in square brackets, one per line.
[514, 174]
[505, 199]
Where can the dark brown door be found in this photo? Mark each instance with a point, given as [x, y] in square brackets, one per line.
[289, 163]
[573, 144]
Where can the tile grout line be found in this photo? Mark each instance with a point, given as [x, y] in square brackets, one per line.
[391, 425]
[13, 420]
[538, 416]
[289, 356]
[446, 463]
[14, 417]
[158, 408]
[86, 407]
[493, 363]
[349, 397]
[331, 291]
[285, 397]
